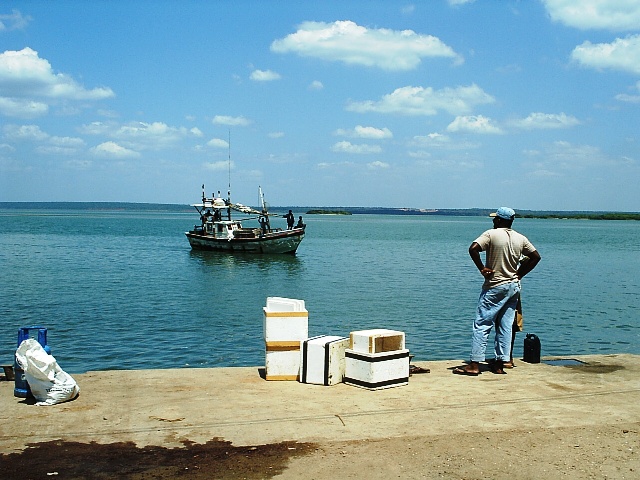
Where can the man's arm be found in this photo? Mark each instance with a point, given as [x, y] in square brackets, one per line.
[526, 267]
[474, 253]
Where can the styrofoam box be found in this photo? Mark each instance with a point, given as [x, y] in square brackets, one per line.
[377, 340]
[322, 359]
[285, 326]
[282, 360]
[375, 371]
[281, 304]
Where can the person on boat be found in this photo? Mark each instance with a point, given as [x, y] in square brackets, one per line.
[290, 220]
[206, 216]
[502, 272]
[263, 224]
[300, 223]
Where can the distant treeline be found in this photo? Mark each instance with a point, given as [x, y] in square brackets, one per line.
[586, 216]
[468, 212]
[328, 212]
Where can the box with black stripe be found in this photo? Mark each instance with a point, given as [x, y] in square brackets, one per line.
[375, 371]
[322, 360]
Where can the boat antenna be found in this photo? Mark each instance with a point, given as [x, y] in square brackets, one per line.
[229, 165]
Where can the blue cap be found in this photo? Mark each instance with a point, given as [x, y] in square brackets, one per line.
[504, 212]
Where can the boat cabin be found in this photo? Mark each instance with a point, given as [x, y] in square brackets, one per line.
[223, 228]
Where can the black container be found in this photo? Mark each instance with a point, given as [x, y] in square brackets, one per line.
[531, 349]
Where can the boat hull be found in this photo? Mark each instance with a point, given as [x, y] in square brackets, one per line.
[285, 241]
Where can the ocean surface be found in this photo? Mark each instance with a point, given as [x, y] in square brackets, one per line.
[123, 289]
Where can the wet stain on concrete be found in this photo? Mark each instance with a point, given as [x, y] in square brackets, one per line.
[556, 386]
[216, 459]
[595, 368]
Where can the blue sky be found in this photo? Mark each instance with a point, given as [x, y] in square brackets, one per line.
[433, 104]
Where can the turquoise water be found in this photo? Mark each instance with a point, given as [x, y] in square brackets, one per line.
[123, 290]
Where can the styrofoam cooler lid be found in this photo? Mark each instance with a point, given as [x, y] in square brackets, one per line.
[281, 304]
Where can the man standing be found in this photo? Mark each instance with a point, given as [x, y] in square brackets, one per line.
[290, 219]
[502, 274]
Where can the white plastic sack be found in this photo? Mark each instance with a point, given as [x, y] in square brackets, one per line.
[49, 384]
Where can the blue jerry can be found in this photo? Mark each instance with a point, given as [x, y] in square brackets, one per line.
[22, 389]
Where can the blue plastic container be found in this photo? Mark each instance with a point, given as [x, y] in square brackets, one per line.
[22, 389]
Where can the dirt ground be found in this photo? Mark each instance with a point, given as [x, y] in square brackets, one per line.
[602, 452]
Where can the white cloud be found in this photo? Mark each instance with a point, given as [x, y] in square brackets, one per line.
[28, 133]
[621, 54]
[264, 76]
[455, 3]
[28, 84]
[316, 85]
[113, 150]
[377, 165]
[107, 113]
[77, 164]
[539, 120]
[221, 166]
[44, 143]
[596, 14]
[218, 143]
[408, 9]
[67, 142]
[473, 124]
[24, 74]
[348, 147]
[347, 42]
[439, 141]
[13, 21]
[426, 101]
[334, 165]
[97, 128]
[562, 158]
[276, 135]
[432, 140]
[152, 136]
[366, 132]
[625, 97]
[231, 121]
[22, 108]
[55, 150]
[5, 147]
[140, 136]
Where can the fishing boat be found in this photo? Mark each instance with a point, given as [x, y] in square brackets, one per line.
[219, 232]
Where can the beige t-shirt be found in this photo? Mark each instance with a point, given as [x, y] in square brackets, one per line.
[503, 247]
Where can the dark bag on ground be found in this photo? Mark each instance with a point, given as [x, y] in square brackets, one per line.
[531, 349]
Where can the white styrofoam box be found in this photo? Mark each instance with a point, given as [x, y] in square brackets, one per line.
[285, 326]
[377, 340]
[285, 319]
[322, 359]
[281, 304]
[282, 360]
[375, 371]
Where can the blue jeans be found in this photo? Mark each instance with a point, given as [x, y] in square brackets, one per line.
[496, 306]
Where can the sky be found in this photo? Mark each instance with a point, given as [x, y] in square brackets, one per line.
[434, 104]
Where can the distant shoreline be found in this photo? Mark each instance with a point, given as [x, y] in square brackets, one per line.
[180, 208]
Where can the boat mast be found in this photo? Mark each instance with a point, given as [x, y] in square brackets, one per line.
[229, 190]
[265, 213]
[261, 199]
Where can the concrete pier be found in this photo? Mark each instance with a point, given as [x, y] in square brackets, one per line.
[168, 407]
